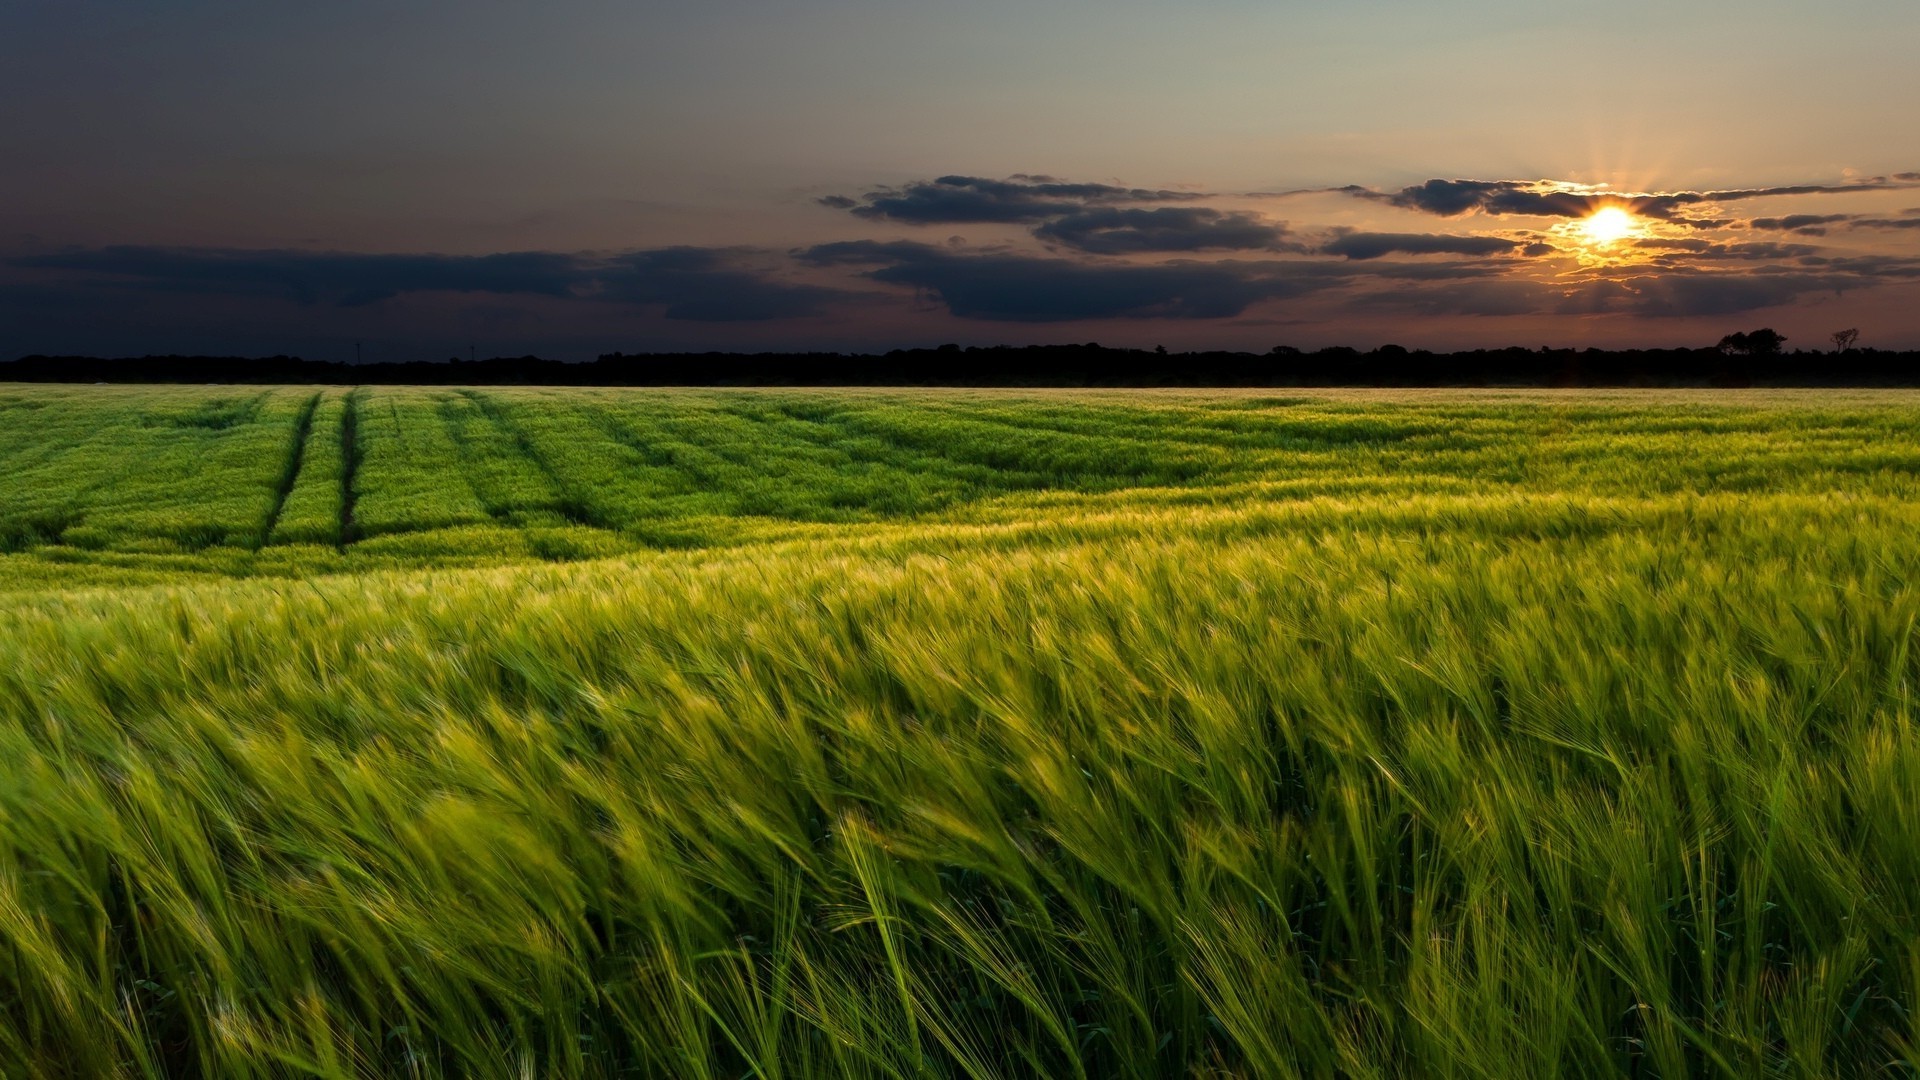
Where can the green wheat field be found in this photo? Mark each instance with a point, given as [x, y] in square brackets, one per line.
[392, 732]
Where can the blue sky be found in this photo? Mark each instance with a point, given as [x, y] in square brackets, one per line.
[257, 135]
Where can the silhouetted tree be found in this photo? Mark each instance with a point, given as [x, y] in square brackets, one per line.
[1762, 342]
[1843, 339]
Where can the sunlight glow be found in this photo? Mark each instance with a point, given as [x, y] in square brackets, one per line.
[1608, 225]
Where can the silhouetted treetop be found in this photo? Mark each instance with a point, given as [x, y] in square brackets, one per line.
[1762, 342]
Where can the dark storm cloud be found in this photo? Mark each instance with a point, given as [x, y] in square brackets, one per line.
[1116, 231]
[699, 284]
[1550, 198]
[1366, 245]
[1012, 287]
[1018, 200]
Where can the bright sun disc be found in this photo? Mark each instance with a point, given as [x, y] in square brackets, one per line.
[1608, 224]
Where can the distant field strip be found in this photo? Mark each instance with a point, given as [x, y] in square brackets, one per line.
[123, 482]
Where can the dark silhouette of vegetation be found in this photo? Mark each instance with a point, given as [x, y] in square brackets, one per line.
[1762, 342]
[1752, 358]
[1843, 340]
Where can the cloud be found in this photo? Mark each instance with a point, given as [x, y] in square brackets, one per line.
[1022, 288]
[1669, 293]
[308, 277]
[1869, 268]
[1366, 245]
[1018, 200]
[1648, 292]
[1705, 250]
[1488, 298]
[1683, 294]
[1116, 231]
[1887, 223]
[1535, 198]
[1008, 286]
[1765, 251]
[1805, 224]
[701, 284]
[1663, 243]
[1557, 198]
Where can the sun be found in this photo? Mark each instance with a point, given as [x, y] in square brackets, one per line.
[1608, 225]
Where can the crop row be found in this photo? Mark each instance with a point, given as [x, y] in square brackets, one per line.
[89, 475]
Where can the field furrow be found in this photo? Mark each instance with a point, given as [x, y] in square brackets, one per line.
[407, 474]
[310, 514]
[296, 457]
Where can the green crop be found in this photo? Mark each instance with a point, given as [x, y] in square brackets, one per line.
[600, 733]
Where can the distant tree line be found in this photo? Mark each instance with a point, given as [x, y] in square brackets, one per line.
[1752, 358]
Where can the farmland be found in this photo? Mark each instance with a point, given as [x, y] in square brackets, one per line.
[580, 733]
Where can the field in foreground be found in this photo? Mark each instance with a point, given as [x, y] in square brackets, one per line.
[530, 733]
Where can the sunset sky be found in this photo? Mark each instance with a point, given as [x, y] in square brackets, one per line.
[575, 177]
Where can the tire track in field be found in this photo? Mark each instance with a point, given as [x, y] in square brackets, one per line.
[567, 504]
[845, 428]
[1038, 456]
[474, 432]
[349, 464]
[290, 473]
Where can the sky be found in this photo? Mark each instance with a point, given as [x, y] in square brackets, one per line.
[417, 180]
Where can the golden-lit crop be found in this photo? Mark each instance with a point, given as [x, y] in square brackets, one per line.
[923, 732]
